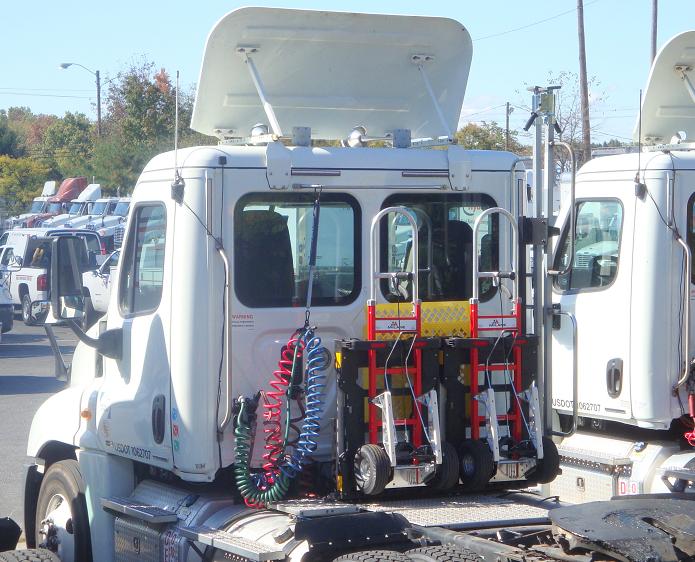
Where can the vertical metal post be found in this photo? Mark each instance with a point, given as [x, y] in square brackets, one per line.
[546, 389]
[537, 249]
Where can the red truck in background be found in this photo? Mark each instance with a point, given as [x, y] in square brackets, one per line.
[69, 189]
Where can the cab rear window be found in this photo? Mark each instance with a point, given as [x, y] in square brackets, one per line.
[272, 240]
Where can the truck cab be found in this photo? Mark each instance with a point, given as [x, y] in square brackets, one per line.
[78, 207]
[629, 284]
[288, 240]
[38, 206]
[57, 204]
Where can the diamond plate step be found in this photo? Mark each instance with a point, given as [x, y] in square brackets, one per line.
[252, 550]
[138, 510]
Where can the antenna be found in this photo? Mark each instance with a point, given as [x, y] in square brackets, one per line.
[640, 188]
[176, 124]
[178, 184]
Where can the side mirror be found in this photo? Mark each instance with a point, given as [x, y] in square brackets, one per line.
[18, 261]
[69, 260]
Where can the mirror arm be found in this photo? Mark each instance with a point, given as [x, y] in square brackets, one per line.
[108, 344]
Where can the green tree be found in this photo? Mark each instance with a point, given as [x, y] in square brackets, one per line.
[67, 145]
[489, 136]
[30, 128]
[21, 179]
[9, 140]
[117, 164]
[140, 105]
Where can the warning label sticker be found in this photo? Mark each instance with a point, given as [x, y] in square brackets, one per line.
[243, 321]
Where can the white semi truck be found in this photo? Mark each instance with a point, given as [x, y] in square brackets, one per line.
[629, 285]
[80, 206]
[191, 431]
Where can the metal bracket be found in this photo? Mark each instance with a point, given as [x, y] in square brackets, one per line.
[534, 418]
[388, 425]
[62, 369]
[278, 162]
[460, 170]
[433, 430]
[493, 429]
[681, 69]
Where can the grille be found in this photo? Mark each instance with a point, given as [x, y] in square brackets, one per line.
[119, 233]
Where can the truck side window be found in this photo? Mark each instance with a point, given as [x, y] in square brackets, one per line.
[451, 218]
[143, 272]
[596, 246]
[272, 240]
[691, 229]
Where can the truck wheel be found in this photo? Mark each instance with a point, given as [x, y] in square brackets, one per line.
[549, 467]
[443, 553]
[447, 474]
[477, 465]
[374, 555]
[62, 524]
[372, 469]
[28, 319]
[40, 555]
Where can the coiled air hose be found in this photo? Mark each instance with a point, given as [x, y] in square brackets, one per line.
[274, 483]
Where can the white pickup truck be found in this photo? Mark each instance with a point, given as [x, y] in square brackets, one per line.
[25, 258]
[97, 289]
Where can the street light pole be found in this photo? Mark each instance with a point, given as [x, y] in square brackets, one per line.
[96, 74]
[98, 104]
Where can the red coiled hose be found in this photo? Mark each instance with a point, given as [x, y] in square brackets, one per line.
[273, 402]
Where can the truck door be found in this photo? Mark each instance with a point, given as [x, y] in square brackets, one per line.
[272, 238]
[137, 387]
[597, 290]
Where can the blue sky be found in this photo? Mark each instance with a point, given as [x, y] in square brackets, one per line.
[513, 47]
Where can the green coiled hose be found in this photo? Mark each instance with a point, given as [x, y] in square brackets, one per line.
[248, 489]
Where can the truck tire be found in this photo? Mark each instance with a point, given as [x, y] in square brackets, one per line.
[447, 474]
[28, 319]
[443, 553]
[374, 556]
[372, 469]
[477, 465]
[549, 467]
[40, 555]
[61, 513]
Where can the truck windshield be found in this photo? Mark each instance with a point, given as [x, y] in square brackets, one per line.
[122, 209]
[54, 208]
[37, 207]
[75, 208]
[99, 208]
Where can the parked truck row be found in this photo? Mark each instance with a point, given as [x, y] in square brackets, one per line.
[372, 353]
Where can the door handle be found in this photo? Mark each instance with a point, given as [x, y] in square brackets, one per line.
[614, 377]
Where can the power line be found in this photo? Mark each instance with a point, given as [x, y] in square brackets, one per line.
[44, 89]
[44, 95]
[534, 23]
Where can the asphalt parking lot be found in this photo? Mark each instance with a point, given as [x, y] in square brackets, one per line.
[26, 380]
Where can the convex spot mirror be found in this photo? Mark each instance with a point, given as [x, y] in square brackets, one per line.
[69, 260]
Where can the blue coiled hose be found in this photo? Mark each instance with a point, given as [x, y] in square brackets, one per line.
[260, 491]
[317, 363]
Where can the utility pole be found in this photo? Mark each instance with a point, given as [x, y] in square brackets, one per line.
[98, 77]
[583, 84]
[506, 129]
[655, 10]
